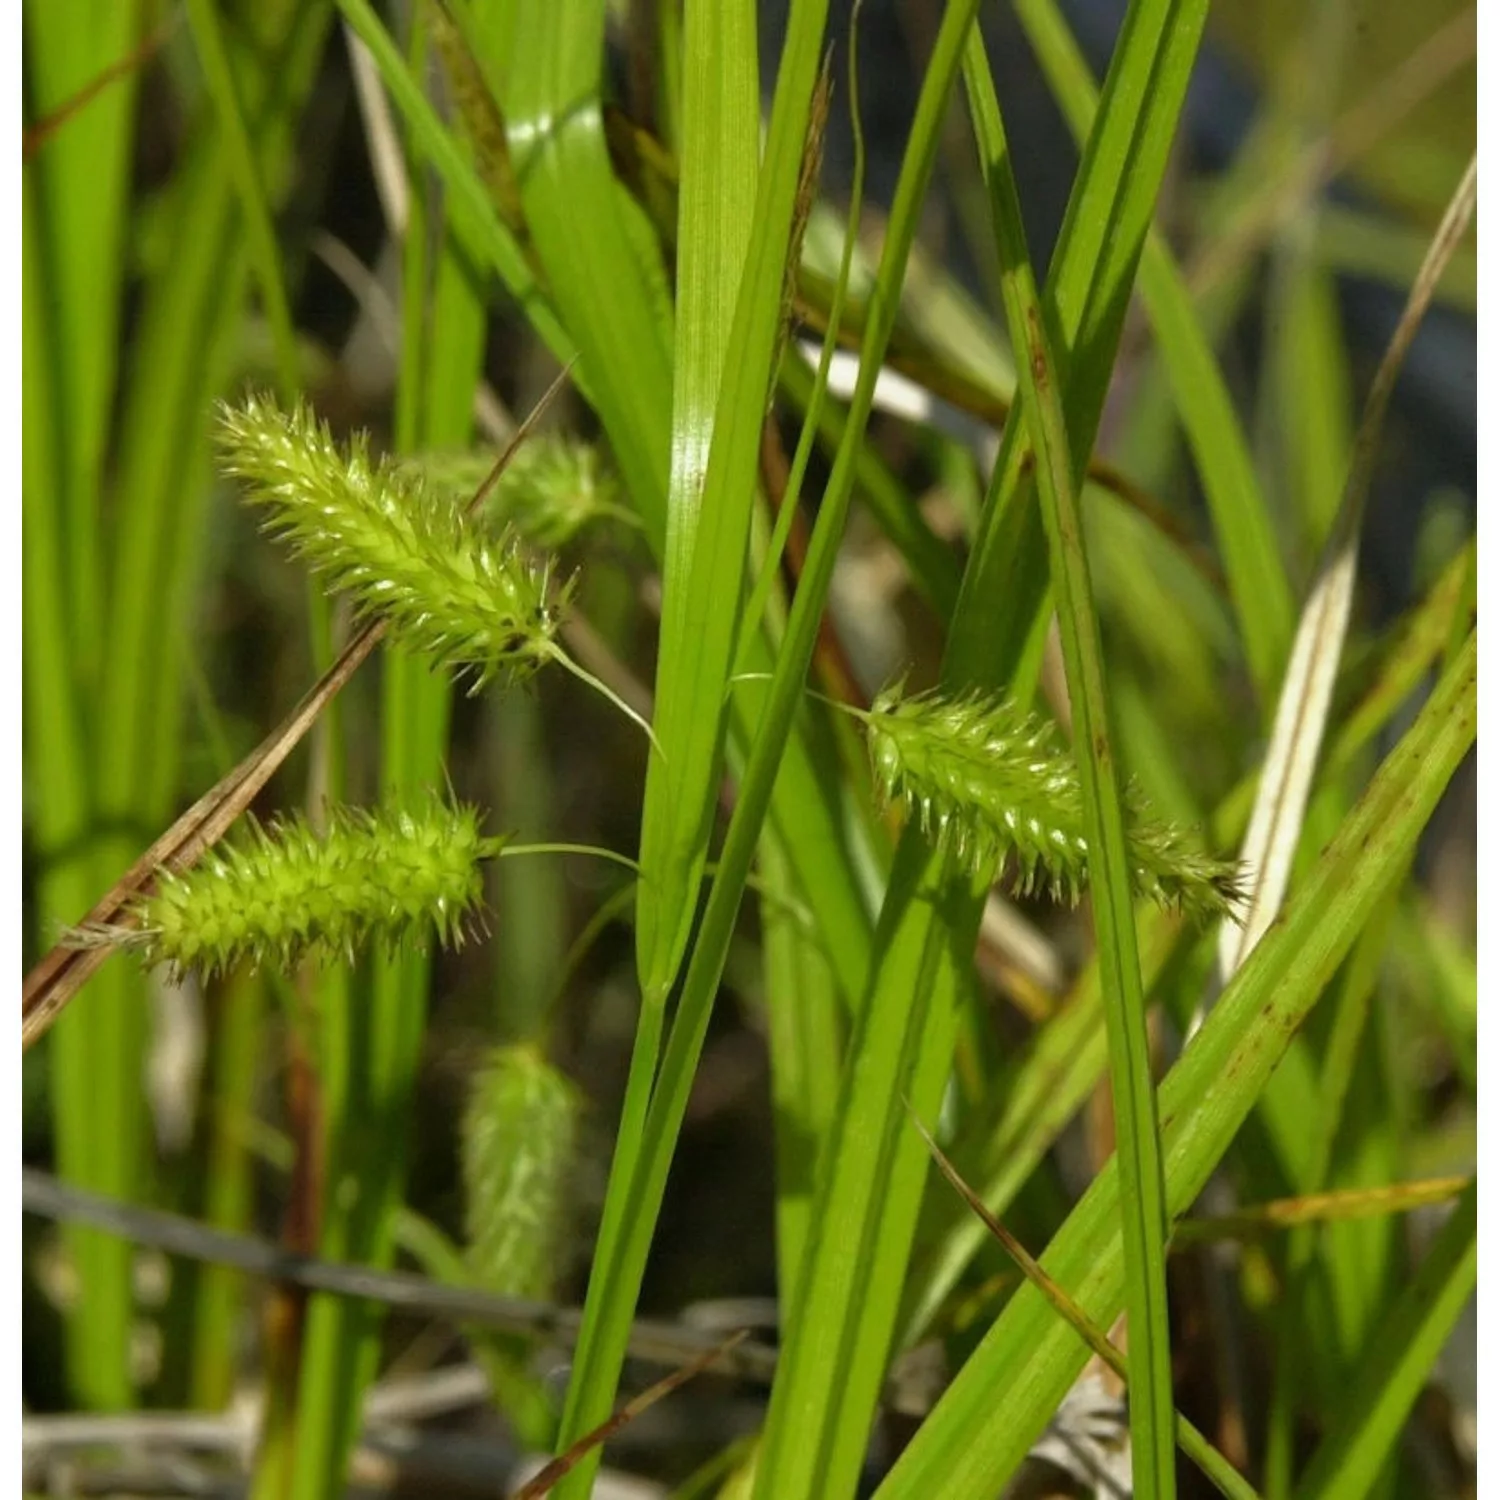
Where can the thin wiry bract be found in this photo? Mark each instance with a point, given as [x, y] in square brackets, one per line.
[282, 892]
[986, 780]
[400, 550]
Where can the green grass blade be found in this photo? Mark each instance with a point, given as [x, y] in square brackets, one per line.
[1060, 1068]
[1257, 577]
[833, 1360]
[255, 214]
[443, 328]
[867, 1204]
[1391, 1374]
[1152, 1413]
[733, 240]
[77, 195]
[619, 1278]
[806, 808]
[81, 193]
[803, 1025]
[57, 763]
[1023, 1368]
[713, 485]
[189, 308]
[607, 293]
[769, 563]
[1089, 284]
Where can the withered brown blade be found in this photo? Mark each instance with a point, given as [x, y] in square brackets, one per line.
[1333, 1206]
[541, 1482]
[1065, 1306]
[479, 113]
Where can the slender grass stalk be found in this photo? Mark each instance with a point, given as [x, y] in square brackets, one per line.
[1258, 584]
[705, 529]
[816, 395]
[1110, 859]
[265, 257]
[77, 191]
[146, 592]
[735, 249]
[442, 346]
[866, 1211]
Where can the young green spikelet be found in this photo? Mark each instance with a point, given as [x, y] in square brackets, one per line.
[553, 488]
[986, 780]
[520, 1141]
[282, 893]
[400, 549]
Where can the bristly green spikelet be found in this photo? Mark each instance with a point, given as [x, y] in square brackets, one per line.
[400, 549]
[280, 893]
[520, 1140]
[552, 489]
[986, 780]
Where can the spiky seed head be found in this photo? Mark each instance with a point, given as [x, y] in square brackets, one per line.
[986, 781]
[401, 551]
[520, 1142]
[281, 893]
[553, 488]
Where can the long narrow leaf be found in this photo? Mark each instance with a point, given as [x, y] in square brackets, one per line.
[680, 783]
[1257, 577]
[1152, 1417]
[719, 411]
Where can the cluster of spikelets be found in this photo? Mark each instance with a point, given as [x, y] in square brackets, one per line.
[553, 488]
[520, 1144]
[987, 781]
[399, 547]
[282, 893]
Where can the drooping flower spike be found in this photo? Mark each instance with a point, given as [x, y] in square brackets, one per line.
[398, 548]
[520, 1143]
[987, 781]
[476, 601]
[282, 893]
[554, 488]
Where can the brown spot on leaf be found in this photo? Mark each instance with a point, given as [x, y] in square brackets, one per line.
[1037, 348]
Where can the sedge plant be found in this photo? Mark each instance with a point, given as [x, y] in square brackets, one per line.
[1055, 817]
